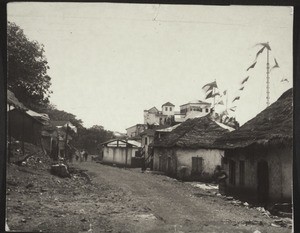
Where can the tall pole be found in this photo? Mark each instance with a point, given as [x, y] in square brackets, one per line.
[9, 135]
[226, 100]
[66, 142]
[268, 78]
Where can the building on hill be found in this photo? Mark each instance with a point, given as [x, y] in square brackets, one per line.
[155, 117]
[187, 150]
[195, 108]
[135, 130]
[168, 115]
[258, 155]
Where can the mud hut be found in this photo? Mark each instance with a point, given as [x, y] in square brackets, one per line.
[187, 152]
[258, 155]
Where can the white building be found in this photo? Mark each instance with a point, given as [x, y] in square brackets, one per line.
[155, 117]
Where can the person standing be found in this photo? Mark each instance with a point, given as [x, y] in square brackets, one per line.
[85, 154]
[220, 177]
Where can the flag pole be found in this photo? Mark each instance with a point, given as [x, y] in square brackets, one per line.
[213, 92]
[226, 100]
[268, 78]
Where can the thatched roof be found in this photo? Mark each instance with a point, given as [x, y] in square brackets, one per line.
[193, 133]
[272, 125]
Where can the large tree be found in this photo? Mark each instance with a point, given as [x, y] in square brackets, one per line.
[27, 68]
[90, 138]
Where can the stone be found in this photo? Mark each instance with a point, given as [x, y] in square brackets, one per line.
[60, 170]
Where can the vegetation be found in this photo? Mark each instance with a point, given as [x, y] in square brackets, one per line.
[27, 68]
[28, 80]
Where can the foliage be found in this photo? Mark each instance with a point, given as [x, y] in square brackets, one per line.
[27, 68]
[60, 115]
[90, 138]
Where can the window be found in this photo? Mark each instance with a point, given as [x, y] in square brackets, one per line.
[166, 108]
[206, 110]
[200, 109]
[146, 140]
[242, 173]
[170, 108]
[197, 165]
[232, 172]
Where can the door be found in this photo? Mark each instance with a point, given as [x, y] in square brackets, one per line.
[169, 168]
[232, 172]
[262, 182]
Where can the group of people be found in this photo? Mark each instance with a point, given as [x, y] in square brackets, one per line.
[81, 155]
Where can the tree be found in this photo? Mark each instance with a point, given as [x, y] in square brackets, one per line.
[60, 115]
[27, 68]
[90, 138]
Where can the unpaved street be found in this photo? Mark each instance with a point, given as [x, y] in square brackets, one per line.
[121, 200]
[156, 203]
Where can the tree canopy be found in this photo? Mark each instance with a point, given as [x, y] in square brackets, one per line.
[27, 68]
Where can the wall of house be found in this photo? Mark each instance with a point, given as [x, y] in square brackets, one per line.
[144, 145]
[179, 158]
[135, 130]
[117, 155]
[164, 160]
[30, 131]
[279, 161]
[168, 110]
[211, 158]
[151, 118]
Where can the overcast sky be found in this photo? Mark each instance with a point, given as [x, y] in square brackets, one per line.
[109, 62]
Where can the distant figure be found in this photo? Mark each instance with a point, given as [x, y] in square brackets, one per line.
[77, 155]
[85, 155]
[81, 155]
[220, 177]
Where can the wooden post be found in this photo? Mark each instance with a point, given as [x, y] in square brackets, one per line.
[66, 140]
[268, 78]
[23, 150]
[9, 135]
[126, 152]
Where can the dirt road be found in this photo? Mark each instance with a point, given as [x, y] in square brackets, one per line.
[121, 201]
[156, 203]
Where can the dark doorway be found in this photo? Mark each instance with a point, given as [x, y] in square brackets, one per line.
[232, 172]
[262, 182]
[169, 168]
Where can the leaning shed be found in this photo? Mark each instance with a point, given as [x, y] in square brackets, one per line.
[258, 155]
[187, 152]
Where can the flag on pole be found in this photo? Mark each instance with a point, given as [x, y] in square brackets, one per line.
[233, 109]
[208, 95]
[259, 52]
[225, 92]
[210, 86]
[284, 80]
[245, 80]
[211, 95]
[242, 88]
[266, 45]
[252, 66]
[220, 102]
[275, 66]
[236, 98]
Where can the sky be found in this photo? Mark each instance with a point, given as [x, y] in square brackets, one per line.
[109, 62]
